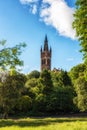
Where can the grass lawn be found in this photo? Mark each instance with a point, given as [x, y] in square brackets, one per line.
[44, 124]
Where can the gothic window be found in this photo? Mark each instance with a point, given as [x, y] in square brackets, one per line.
[43, 61]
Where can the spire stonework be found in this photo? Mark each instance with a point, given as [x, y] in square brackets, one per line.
[46, 56]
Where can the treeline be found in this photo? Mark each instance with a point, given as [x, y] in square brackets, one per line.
[45, 93]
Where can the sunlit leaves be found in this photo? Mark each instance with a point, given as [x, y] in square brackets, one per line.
[9, 56]
[80, 24]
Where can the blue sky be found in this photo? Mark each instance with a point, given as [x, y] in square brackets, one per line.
[29, 20]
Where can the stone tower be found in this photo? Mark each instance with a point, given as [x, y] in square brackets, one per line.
[46, 56]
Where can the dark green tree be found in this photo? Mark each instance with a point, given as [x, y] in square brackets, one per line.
[63, 93]
[40, 103]
[46, 81]
[24, 104]
[61, 100]
[10, 90]
[64, 78]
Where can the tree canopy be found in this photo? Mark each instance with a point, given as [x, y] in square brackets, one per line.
[9, 56]
[80, 24]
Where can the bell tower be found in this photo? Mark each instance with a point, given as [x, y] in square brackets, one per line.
[46, 56]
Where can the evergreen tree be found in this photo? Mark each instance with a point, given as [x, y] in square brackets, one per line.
[46, 81]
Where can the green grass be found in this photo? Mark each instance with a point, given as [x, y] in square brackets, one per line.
[44, 124]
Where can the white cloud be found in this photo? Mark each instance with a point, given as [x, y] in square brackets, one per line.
[32, 5]
[34, 9]
[55, 13]
[59, 15]
[28, 1]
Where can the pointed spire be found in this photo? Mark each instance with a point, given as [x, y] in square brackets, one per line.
[50, 49]
[46, 44]
[41, 49]
[46, 39]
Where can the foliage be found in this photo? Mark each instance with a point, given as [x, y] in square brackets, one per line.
[40, 103]
[64, 79]
[52, 92]
[81, 90]
[31, 83]
[46, 82]
[80, 24]
[25, 103]
[33, 74]
[61, 79]
[9, 56]
[31, 86]
[79, 80]
[62, 100]
[77, 71]
[10, 91]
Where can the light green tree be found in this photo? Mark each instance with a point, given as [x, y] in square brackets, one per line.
[80, 24]
[81, 90]
[9, 56]
[33, 74]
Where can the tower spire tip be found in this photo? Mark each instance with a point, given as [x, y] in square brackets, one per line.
[46, 39]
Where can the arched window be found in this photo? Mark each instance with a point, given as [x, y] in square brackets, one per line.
[43, 61]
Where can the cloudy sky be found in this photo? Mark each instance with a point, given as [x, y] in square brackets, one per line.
[30, 20]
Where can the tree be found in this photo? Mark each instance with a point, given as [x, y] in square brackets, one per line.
[9, 56]
[40, 103]
[47, 85]
[34, 74]
[78, 75]
[64, 79]
[31, 86]
[77, 71]
[81, 90]
[62, 100]
[31, 83]
[10, 91]
[63, 93]
[80, 24]
[46, 82]
[25, 103]
[61, 79]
